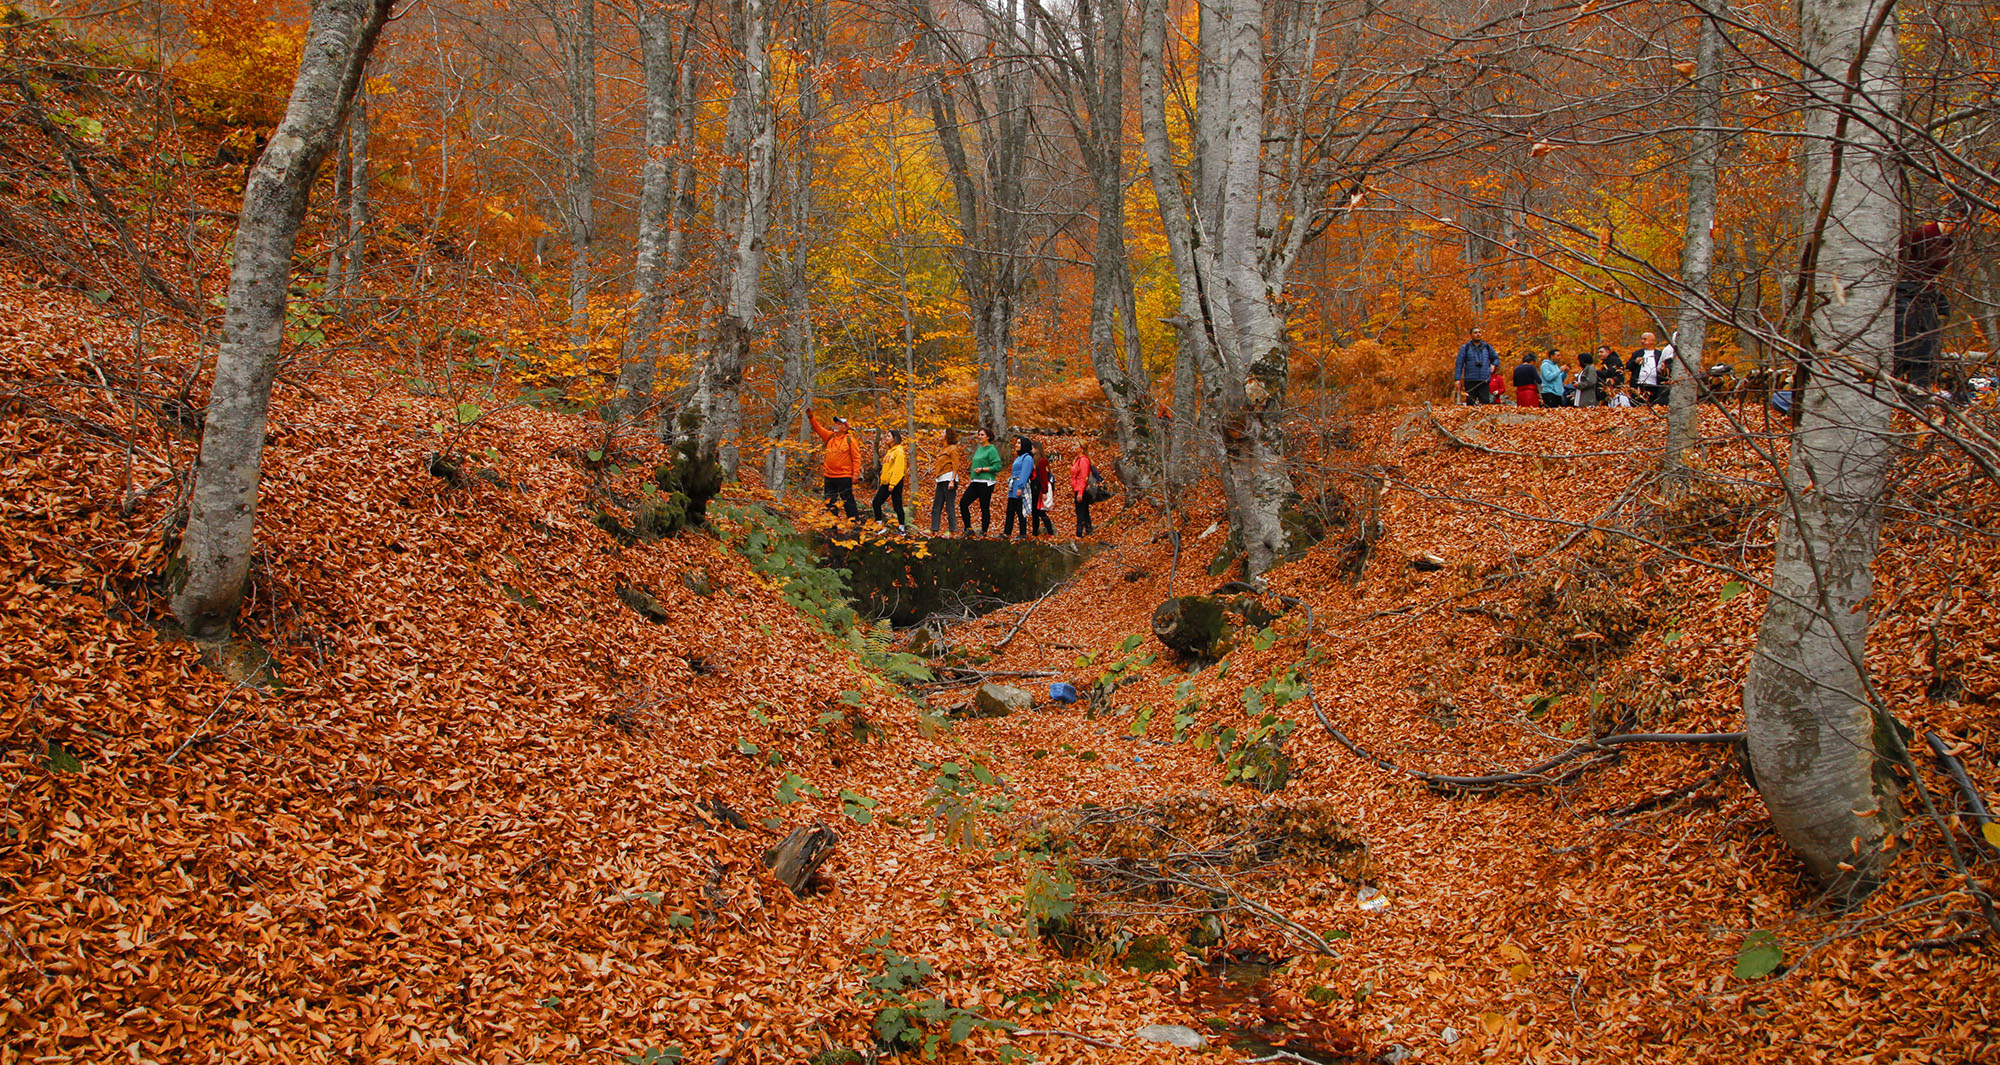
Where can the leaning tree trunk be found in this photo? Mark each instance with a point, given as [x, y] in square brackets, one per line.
[1697, 251]
[1812, 732]
[1099, 70]
[222, 512]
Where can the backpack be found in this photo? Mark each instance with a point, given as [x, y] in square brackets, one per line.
[1093, 488]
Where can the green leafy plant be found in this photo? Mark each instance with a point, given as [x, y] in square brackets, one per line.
[1252, 751]
[859, 808]
[1760, 955]
[908, 1015]
[795, 788]
[778, 552]
[959, 795]
[57, 758]
[1048, 898]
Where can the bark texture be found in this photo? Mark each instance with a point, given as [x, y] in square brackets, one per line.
[222, 512]
[662, 51]
[1233, 241]
[797, 339]
[1812, 732]
[1697, 250]
[580, 80]
[744, 214]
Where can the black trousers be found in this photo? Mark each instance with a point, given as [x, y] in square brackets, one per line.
[1478, 392]
[983, 492]
[1042, 521]
[1920, 314]
[944, 501]
[1015, 512]
[891, 492]
[1083, 526]
[841, 490]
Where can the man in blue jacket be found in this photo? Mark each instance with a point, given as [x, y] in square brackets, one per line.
[1476, 362]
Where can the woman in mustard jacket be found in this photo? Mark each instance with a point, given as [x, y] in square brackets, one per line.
[895, 471]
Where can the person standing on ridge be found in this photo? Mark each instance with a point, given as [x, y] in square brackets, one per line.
[1474, 371]
[1610, 369]
[843, 461]
[985, 470]
[1527, 382]
[1020, 486]
[944, 488]
[1921, 307]
[1079, 485]
[1552, 381]
[1648, 370]
[1044, 485]
[1587, 379]
[895, 472]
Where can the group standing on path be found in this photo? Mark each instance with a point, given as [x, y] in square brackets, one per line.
[1598, 380]
[1031, 482]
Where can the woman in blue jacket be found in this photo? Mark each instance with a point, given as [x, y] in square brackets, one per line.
[1020, 487]
[1552, 381]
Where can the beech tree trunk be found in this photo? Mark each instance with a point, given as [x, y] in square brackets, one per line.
[1697, 250]
[744, 214]
[1191, 322]
[796, 340]
[358, 216]
[662, 50]
[1231, 256]
[580, 73]
[1812, 732]
[1088, 76]
[215, 549]
[989, 194]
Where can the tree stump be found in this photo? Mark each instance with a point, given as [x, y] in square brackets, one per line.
[800, 855]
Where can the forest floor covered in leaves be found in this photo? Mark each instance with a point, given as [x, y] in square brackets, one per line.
[479, 808]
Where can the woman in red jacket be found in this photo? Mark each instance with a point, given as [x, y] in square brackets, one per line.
[1079, 483]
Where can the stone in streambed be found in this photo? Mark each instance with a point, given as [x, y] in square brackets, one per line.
[999, 700]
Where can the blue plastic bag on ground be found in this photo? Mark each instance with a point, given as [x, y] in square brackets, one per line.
[1062, 691]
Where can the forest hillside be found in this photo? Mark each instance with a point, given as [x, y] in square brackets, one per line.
[474, 808]
[522, 749]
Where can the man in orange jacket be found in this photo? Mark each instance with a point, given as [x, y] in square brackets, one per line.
[843, 462]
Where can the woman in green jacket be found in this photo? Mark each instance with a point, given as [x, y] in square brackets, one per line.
[985, 470]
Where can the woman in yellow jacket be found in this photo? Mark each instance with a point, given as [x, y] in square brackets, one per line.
[895, 473]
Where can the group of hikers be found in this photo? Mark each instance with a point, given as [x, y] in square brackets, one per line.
[1600, 379]
[1030, 477]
